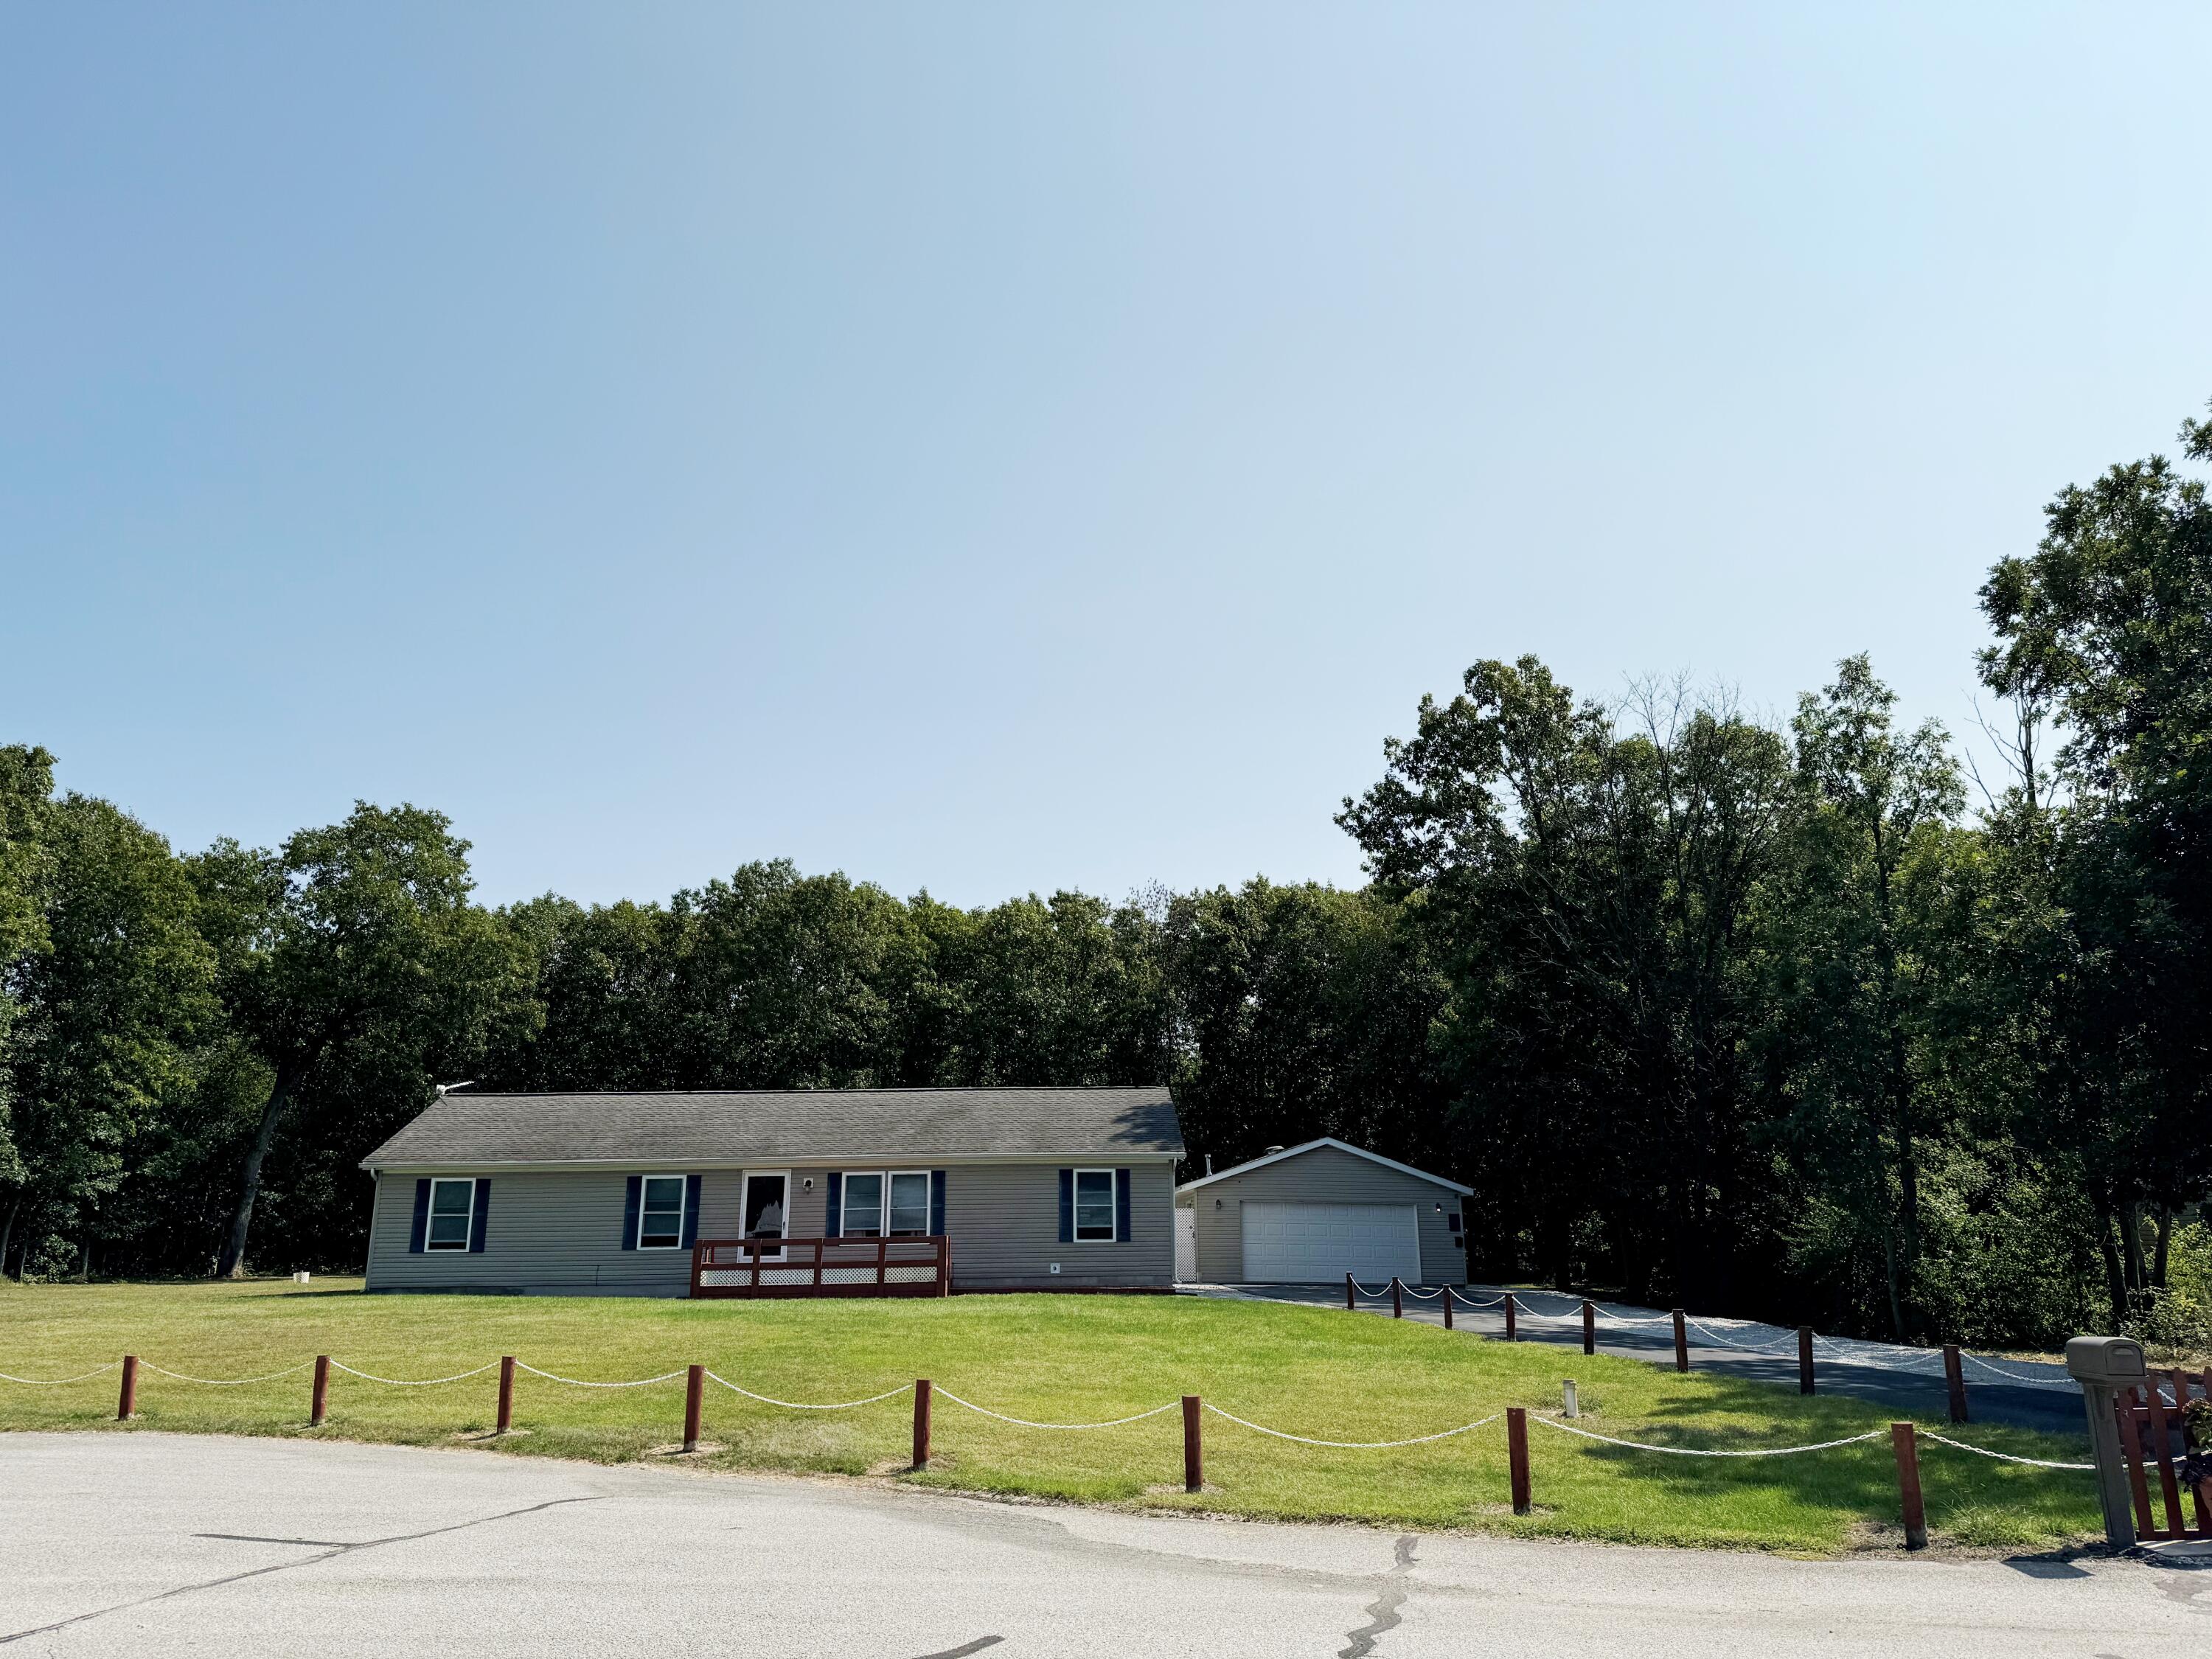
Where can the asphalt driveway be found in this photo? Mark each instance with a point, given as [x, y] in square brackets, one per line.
[153, 1545]
[2055, 1409]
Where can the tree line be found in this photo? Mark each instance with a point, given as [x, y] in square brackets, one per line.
[1804, 1019]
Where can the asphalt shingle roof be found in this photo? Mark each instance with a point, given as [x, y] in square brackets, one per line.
[741, 1125]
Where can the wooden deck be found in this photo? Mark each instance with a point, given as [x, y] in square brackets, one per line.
[821, 1266]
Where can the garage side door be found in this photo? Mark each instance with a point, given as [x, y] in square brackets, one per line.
[1319, 1243]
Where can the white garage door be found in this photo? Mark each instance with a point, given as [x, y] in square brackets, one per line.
[1319, 1243]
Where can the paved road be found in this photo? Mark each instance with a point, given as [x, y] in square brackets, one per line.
[156, 1545]
[2055, 1411]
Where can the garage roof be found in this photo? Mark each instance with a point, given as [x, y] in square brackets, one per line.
[1314, 1146]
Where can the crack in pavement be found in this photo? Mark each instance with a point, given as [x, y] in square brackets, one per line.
[328, 1553]
[966, 1647]
[1383, 1612]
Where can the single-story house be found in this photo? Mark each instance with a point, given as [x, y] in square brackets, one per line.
[617, 1194]
[1311, 1214]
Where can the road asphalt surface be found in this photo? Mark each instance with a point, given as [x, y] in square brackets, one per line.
[152, 1545]
[2054, 1410]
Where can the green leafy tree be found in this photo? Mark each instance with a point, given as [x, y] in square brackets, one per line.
[117, 1009]
[26, 783]
[1589, 888]
[2108, 627]
[355, 963]
[1305, 1011]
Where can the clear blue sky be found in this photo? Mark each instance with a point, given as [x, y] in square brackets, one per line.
[998, 448]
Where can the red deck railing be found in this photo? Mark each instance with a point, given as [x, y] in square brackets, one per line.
[822, 1267]
[2148, 1428]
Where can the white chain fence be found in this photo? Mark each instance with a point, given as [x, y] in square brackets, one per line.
[228, 1381]
[60, 1381]
[811, 1406]
[1025, 1423]
[582, 1382]
[1353, 1445]
[2002, 1457]
[1693, 1451]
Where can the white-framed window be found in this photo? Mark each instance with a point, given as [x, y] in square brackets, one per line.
[863, 1216]
[893, 1204]
[1094, 1206]
[660, 1213]
[452, 1210]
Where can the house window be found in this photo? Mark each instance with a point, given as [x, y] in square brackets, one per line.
[894, 1206]
[909, 1216]
[864, 1205]
[1094, 1206]
[452, 1205]
[660, 1213]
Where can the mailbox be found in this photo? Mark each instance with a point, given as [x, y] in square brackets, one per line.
[2115, 1361]
[2108, 1367]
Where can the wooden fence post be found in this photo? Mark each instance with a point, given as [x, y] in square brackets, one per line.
[1448, 1301]
[1804, 1359]
[1681, 1344]
[506, 1392]
[1397, 1298]
[1193, 1455]
[1906, 1445]
[319, 1400]
[126, 1398]
[924, 1389]
[1512, 1329]
[695, 1389]
[1590, 1326]
[1954, 1382]
[1517, 1456]
[1349, 1304]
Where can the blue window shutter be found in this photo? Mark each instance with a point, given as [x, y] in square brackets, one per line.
[1121, 1205]
[1068, 1207]
[937, 1203]
[629, 1212]
[422, 1217]
[833, 1223]
[481, 1214]
[690, 1210]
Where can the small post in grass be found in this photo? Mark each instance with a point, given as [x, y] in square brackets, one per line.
[126, 1398]
[1512, 1328]
[1681, 1344]
[1574, 1403]
[506, 1392]
[923, 1390]
[1955, 1380]
[1590, 1326]
[1517, 1456]
[1905, 1443]
[1397, 1298]
[1349, 1304]
[1804, 1359]
[1193, 1454]
[318, 1398]
[694, 1390]
[1448, 1301]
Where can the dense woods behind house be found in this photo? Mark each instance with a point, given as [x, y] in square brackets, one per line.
[1805, 1019]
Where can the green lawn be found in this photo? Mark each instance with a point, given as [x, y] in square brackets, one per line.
[1309, 1370]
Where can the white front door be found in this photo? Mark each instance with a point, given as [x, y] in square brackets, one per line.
[1185, 1244]
[1319, 1243]
[765, 1207]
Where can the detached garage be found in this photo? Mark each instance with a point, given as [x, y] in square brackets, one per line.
[1310, 1214]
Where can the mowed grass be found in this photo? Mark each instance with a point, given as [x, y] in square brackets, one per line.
[1312, 1371]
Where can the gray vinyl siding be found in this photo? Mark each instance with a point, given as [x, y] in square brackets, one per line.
[1323, 1176]
[549, 1232]
[559, 1232]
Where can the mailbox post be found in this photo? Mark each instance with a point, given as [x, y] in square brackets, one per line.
[2105, 1366]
